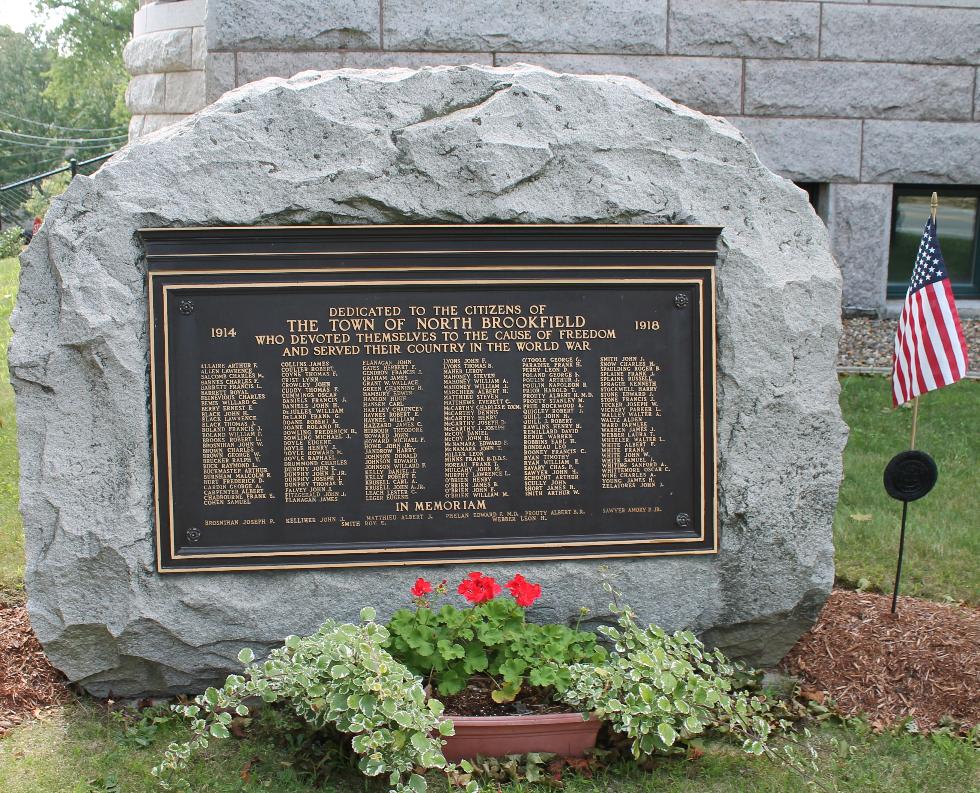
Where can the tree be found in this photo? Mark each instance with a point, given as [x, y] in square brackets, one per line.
[62, 88]
[87, 80]
[24, 61]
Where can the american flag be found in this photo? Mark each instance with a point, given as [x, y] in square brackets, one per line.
[930, 350]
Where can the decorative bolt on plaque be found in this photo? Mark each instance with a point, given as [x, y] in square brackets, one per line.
[193, 534]
[186, 307]
[683, 520]
[681, 300]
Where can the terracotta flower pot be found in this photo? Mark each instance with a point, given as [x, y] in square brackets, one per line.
[496, 736]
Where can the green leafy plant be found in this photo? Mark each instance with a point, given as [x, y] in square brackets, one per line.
[659, 688]
[103, 784]
[340, 677]
[542, 768]
[11, 242]
[39, 201]
[493, 638]
[315, 755]
[139, 727]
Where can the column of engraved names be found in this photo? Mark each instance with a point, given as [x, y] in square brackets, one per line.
[475, 404]
[392, 430]
[554, 400]
[314, 466]
[630, 422]
[231, 436]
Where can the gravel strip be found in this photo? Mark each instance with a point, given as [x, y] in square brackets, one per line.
[868, 344]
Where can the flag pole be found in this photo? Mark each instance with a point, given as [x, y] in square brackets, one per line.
[934, 208]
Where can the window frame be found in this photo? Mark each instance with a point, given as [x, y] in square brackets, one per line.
[896, 290]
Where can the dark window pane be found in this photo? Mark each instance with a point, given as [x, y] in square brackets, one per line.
[957, 222]
[814, 191]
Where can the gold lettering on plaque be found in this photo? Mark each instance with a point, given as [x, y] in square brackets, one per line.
[475, 405]
[631, 423]
[554, 400]
[392, 429]
[231, 435]
[314, 466]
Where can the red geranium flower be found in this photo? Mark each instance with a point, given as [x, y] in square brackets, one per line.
[421, 588]
[478, 588]
[524, 592]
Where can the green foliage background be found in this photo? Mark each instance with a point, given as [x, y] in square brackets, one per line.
[62, 83]
[42, 195]
[86, 81]
[23, 63]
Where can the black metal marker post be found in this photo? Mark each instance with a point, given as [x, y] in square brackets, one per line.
[908, 477]
[901, 551]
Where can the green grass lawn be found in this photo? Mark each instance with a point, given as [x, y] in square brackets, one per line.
[942, 543]
[85, 751]
[81, 750]
[11, 528]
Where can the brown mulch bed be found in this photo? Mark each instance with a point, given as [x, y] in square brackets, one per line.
[923, 663]
[28, 683]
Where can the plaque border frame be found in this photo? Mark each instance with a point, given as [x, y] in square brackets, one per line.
[708, 418]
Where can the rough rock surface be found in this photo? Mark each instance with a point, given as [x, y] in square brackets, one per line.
[806, 149]
[711, 85]
[446, 144]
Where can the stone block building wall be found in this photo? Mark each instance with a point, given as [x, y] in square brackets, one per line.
[855, 95]
[167, 60]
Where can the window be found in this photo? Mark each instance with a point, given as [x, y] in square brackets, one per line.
[816, 191]
[958, 220]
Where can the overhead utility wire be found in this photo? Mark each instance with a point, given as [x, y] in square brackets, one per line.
[28, 169]
[52, 146]
[53, 141]
[40, 167]
[63, 129]
[30, 158]
[59, 140]
[6, 196]
[80, 164]
[11, 204]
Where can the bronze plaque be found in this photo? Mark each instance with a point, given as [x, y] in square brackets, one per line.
[345, 396]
